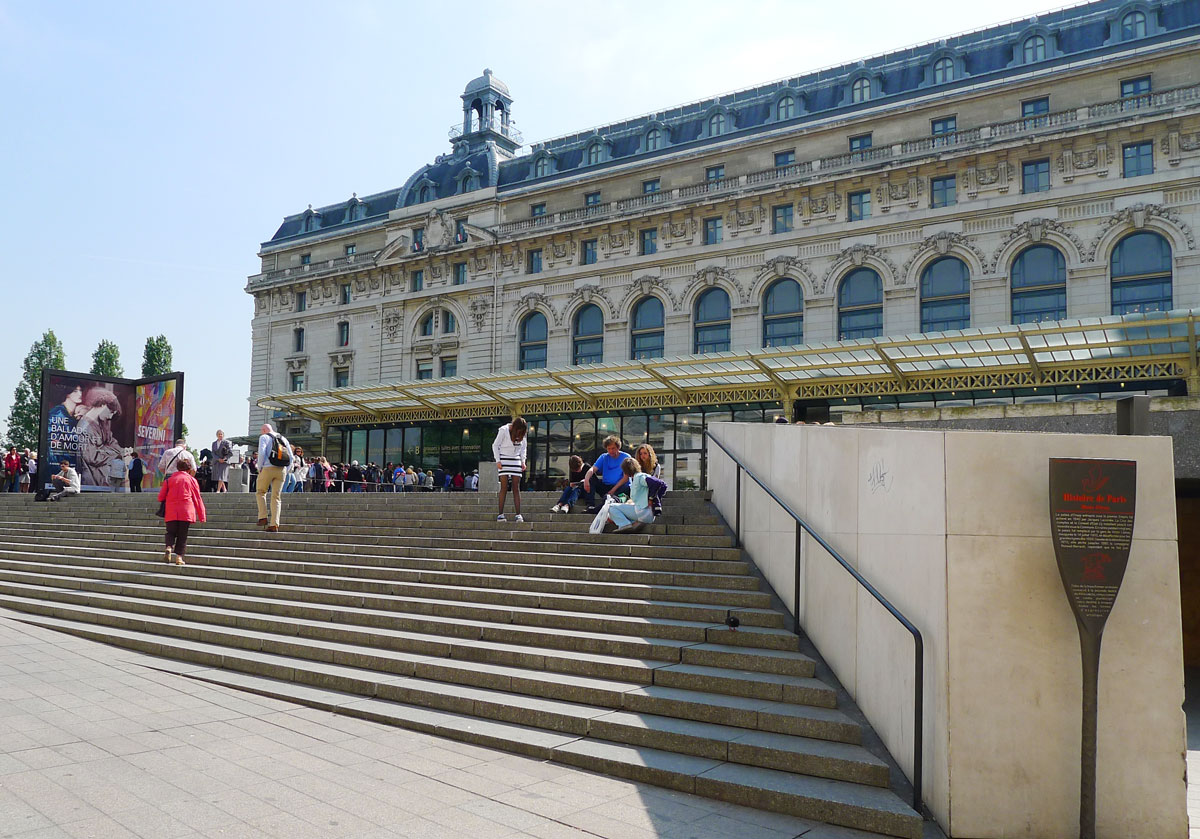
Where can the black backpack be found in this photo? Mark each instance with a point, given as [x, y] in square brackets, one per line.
[279, 454]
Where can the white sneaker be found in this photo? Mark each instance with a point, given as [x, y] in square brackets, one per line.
[518, 518]
[501, 517]
[557, 508]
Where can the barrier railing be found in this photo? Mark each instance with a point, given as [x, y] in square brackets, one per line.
[801, 527]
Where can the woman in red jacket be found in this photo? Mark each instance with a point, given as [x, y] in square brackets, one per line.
[181, 495]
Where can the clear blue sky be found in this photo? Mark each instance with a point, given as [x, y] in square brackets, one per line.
[147, 149]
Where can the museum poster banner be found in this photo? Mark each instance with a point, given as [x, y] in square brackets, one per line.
[95, 421]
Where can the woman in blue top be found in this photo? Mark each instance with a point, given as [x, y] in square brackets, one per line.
[606, 473]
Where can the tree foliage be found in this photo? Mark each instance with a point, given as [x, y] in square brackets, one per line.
[46, 353]
[156, 360]
[106, 360]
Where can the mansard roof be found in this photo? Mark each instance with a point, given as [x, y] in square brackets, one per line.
[1080, 31]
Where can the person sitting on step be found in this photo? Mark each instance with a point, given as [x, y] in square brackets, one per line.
[636, 513]
[605, 475]
[570, 493]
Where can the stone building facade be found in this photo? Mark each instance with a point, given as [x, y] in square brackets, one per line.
[995, 177]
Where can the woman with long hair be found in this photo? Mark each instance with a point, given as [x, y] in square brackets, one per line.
[97, 446]
[509, 449]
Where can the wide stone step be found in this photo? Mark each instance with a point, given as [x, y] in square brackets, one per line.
[304, 546]
[294, 557]
[596, 734]
[405, 613]
[327, 663]
[451, 600]
[382, 581]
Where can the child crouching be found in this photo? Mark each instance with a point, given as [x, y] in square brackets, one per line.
[634, 514]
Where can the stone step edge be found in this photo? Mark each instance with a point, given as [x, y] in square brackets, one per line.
[812, 722]
[767, 662]
[643, 764]
[664, 768]
[320, 572]
[570, 609]
[622, 549]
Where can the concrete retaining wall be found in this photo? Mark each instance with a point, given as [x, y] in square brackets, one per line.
[953, 527]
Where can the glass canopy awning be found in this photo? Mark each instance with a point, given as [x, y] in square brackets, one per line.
[1129, 348]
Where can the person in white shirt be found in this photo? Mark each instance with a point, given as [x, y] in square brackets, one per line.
[271, 477]
[473, 481]
[509, 450]
[171, 458]
[67, 481]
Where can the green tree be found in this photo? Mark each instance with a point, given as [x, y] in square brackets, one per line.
[46, 353]
[156, 360]
[106, 360]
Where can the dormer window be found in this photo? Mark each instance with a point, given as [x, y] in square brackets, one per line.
[786, 109]
[594, 154]
[423, 195]
[357, 210]
[541, 167]
[1133, 25]
[1034, 49]
[943, 71]
[860, 91]
[654, 139]
[716, 125]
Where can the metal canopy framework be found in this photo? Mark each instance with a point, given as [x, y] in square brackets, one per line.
[1093, 351]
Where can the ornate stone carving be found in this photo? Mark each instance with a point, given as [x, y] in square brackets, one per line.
[563, 250]
[439, 232]
[1035, 230]
[591, 294]
[820, 205]
[296, 363]
[483, 261]
[980, 177]
[857, 255]
[617, 242]
[1190, 142]
[682, 232]
[392, 321]
[942, 243]
[784, 266]
[1136, 217]
[340, 358]
[1095, 160]
[713, 275]
[646, 285]
[537, 301]
[480, 306]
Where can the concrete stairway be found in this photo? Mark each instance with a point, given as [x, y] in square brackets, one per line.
[606, 652]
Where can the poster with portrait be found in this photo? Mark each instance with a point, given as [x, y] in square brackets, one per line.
[98, 422]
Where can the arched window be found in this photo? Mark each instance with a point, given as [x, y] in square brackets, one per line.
[541, 167]
[358, 211]
[589, 335]
[1034, 49]
[716, 124]
[786, 109]
[647, 332]
[1039, 285]
[426, 327]
[311, 223]
[593, 154]
[1141, 274]
[783, 314]
[654, 139]
[424, 195]
[1133, 25]
[860, 305]
[860, 91]
[449, 324]
[945, 295]
[943, 71]
[712, 322]
[533, 341]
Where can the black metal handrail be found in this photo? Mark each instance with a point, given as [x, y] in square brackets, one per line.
[918, 643]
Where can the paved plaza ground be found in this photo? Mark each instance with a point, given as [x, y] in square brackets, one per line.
[96, 743]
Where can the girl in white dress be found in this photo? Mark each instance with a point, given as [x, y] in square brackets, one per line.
[509, 450]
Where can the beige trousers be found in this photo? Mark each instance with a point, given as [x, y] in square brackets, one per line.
[270, 478]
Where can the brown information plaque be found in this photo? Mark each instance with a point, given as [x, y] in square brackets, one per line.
[1091, 521]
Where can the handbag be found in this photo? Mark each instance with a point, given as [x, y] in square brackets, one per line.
[597, 525]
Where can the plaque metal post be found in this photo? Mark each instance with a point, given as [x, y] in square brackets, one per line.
[1092, 505]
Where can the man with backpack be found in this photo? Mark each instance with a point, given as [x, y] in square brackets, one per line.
[275, 458]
